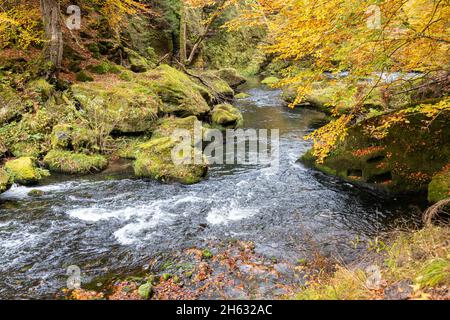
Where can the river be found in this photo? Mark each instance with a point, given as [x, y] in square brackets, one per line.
[111, 222]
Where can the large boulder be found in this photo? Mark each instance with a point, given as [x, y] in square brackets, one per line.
[226, 116]
[74, 163]
[126, 107]
[439, 188]
[74, 137]
[398, 152]
[155, 160]
[180, 95]
[24, 171]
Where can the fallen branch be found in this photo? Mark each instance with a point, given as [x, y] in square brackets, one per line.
[434, 210]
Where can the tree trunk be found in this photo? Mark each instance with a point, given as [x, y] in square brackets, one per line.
[183, 35]
[50, 10]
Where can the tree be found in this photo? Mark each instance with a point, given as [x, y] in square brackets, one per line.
[51, 13]
[369, 38]
[218, 8]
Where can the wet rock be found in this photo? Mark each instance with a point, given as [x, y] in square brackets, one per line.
[73, 137]
[226, 116]
[399, 291]
[74, 163]
[24, 171]
[439, 188]
[242, 95]
[36, 193]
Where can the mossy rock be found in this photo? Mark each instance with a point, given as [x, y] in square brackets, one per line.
[74, 163]
[73, 137]
[125, 107]
[439, 188]
[104, 67]
[180, 95]
[5, 180]
[137, 62]
[272, 80]
[227, 116]
[166, 127]
[216, 86]
[82, 76]
[154, 160]
[400, 159]
[242, 95]
[24, 171]
[26, 149]
[231, 76]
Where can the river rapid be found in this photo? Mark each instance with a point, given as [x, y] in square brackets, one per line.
[112, 223]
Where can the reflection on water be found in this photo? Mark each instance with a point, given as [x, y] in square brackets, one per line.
[111, 222]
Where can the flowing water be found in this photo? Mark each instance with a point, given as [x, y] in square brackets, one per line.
[110, 222]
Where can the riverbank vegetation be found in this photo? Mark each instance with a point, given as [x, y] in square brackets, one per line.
[84, 86]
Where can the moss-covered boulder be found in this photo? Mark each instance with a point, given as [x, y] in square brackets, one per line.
[42, 88]
[398, 152]
[74, 137]
[231, 76]
[126, 107]
[439, 188]
[180, 95]
[137, 62]
[270, 80]
[5, 180]
[242, 95]
[74, 163]
[24, 171]
[156, 160]
[166, 127]
[216, 86]
[226, 116]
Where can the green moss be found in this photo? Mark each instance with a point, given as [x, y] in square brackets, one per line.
[439, 188]
[73, 137]
[231, 76]
[74, 163]
[227, 116]
[217, 85]
[180, 95]
[154, 160]
[12, 105]
[83, 77]
[207, 254]
[145, 291]
[167, 126]
[104, 67]
[127, 107]
[137, 62]
[242, 95]
[5, 180]
[270, 80]
[24, 171]
[43, 88]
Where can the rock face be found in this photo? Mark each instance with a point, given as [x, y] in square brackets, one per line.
[74, 163]
[397, 152]
[226, 116]
[24, 171]
[439, 188]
